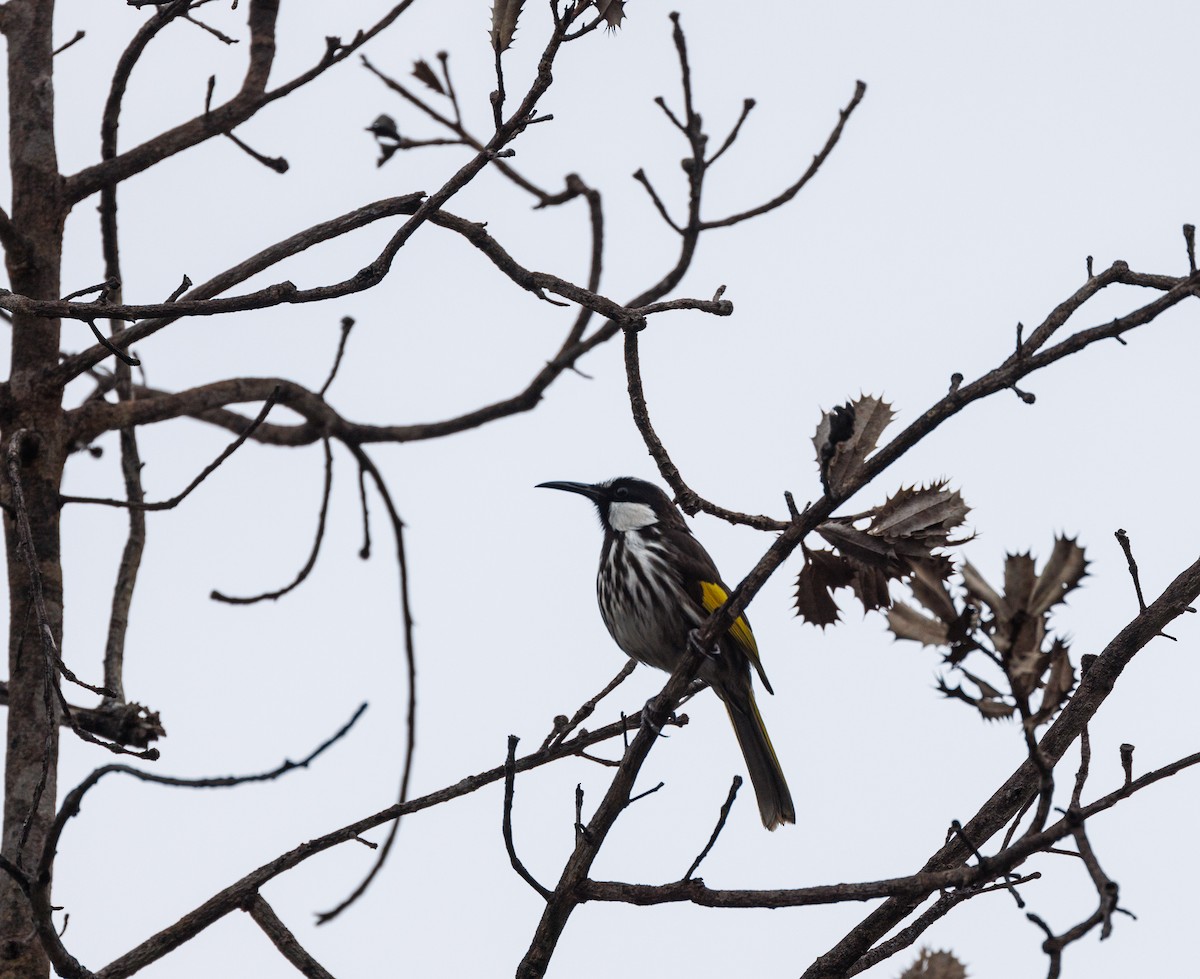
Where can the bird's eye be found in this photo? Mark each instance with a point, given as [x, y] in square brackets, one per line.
[622, 492]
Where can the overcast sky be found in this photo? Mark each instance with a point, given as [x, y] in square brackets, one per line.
[997, 147]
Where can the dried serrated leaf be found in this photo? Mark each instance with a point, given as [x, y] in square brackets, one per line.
[612, 12]
[823, 573]
[906, 622]
[1024, 667]
[995, 710]
[935, 965]
[985, 688]
[386, 152]
[989, 708]
[979, 591]
[1059, 683]
[1019, 576]
[856, 543]
[427, 76]
[835, 426]
[385, 126]
[840, 455]
[870, 586]
[504, 22]
[928, 584]
[927, 514]
[1063, 572]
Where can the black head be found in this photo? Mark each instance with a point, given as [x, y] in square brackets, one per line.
[626, 503]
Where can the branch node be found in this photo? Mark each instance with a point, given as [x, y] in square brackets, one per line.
[1027, 396]
[1127, 762]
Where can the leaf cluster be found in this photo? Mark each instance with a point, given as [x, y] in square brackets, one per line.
[1009, 628]
[891, 542]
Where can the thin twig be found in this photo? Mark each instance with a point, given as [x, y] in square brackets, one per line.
[561, 732]
[79, 36]
[25, 546]
[208, 470]
[860, 89]
[1123, 540]
[277, 163]
[640, 176]
[747, 105]
[510, 781]
[347, 326]
[313, 553]
[725, 809]
[410, 659]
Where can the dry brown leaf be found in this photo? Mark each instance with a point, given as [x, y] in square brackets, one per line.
[841, 453]
[917, 520]
[385, 126]
[1059, 683]
[860, 545]
[1063, 572]
[1024, 667]
[990, 709]
[928, 584]
[870, 586]
[504, 23]
[612, 12]
[985, 688]
[995, 710]
[426, 75]
[906, 622]
[1019, 576]
[930, 964]
[980, 592]
[823, 573]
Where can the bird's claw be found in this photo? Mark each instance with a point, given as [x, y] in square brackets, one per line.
[656, 728]
[694, 643]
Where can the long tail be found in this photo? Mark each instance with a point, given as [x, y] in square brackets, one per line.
[774, 799]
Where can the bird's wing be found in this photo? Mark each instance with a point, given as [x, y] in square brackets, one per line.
[712, 596]
[704, 584]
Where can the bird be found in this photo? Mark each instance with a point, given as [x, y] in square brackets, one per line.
[656, 585]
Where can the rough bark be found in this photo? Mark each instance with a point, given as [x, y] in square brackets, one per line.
[33, 256]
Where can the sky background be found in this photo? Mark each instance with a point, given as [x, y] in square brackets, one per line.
[997, 147]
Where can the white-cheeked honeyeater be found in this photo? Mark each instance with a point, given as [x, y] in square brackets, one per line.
[657, 584]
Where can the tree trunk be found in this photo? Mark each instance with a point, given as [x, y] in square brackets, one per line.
[33, 249]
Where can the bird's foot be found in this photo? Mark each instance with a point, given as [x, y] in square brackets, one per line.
[656, 728]
[694, 643]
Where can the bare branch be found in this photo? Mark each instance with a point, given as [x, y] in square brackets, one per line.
[563, 730]
[232, 897]
[282, 938]
[1021, 786]
[311, 563]
[368, 467]
[21, 514]
[690, 501]
[510, 774]
[73, 366]
[347, 326]
[860, 89]
[125, 723]
[725, 810]
[174, 501]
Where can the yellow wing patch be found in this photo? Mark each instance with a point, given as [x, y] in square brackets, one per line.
[713, 596]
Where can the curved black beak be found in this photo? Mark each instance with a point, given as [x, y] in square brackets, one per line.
[589, 490]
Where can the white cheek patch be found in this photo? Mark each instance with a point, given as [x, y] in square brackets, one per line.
[630, 516]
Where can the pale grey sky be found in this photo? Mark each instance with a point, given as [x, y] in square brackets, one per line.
[997, 147]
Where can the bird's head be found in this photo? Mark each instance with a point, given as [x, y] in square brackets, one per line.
[625, 503]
